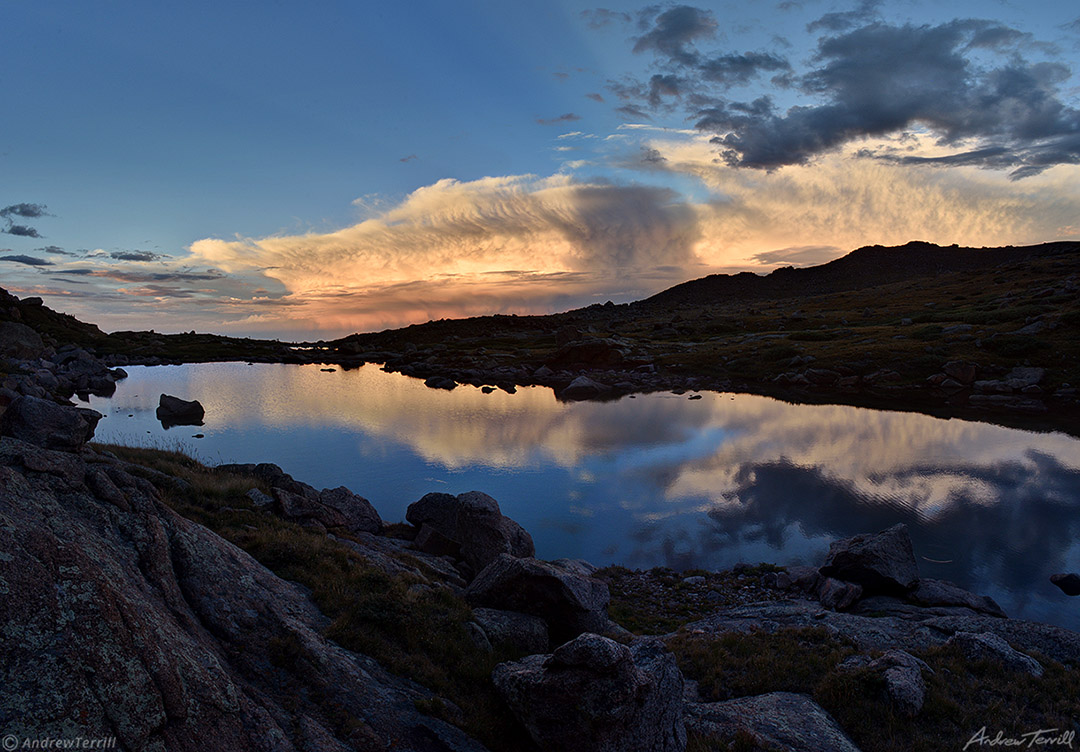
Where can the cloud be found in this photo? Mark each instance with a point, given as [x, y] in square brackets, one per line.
[135, 256]
[409, 158]
[514, 244]
[966, 81]
[141, 277]
[594, 96]
[55, 250]
[600, 17]
[28, 260]
[21, 230]
[806, 255]
[29, 211]
[672, 33]
[568, 117]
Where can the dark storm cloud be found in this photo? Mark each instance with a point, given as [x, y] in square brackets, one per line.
[135, 255]
[672, 32]
[880, 79]
[28, 260]
[568, 117]
[966, 81]
[144, 278]
[30, 211]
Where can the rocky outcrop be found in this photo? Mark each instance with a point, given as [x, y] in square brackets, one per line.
[989, 646]
[173, 411]
[902, 675]
[881, 563]
[19, 341]
[48, 424]
[596, 695]
[570, 603]
[123, 619]
[359, 515]
[469, 526]
[779, 721]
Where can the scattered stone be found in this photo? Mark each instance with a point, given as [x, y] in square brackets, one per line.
[596, 695]
[173, 411]
[903, 679]
[778, 721]
[960, 370]
[1069, 583]
[930, 593]
[259, 499]
[989, 646]
[583, 388]
[569, 602]
[47, 424]
[882, 563]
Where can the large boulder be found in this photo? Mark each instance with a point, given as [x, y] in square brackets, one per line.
[931, 593]
[596, 695]
[780, 721]
[360, 516]
[19, 341]
[882, 562]
[570, 603]
[591, 353]
[473, 522]
[583, 388]
[1068, 582]
[987, 646]
[523, 632]
[173, 411]
[45, 423]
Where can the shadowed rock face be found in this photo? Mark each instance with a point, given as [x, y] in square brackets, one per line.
[881, 563]
[123, 619]
[48, 424]
[469, 525]
[779, 721]
[596, 695]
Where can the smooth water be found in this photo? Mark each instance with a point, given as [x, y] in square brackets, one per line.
[653, 480]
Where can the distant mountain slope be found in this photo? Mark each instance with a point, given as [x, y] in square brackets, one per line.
[869, 266]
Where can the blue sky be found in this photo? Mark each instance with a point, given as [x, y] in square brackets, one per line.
[307, 170]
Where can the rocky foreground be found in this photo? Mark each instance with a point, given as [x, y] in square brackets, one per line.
[167, 605]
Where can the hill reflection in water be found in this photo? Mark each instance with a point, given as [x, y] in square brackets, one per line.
[657, 480]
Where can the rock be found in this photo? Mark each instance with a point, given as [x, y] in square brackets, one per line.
[930, 592]
[441, 382]
[523, 632]
[1069, 583]
[695, 580]
[583, 388]
[1007, 402]
[779, 721]
[1022, 376]
[591, 353]
[960, 370]
[801, 578]
[570, 603]
[882, 563]
[259, 499]
[19, 341]
[48, 424]
[274, 476]
[359, 515]
[596, 695]
[837, 595]
[140, 625]
[474, 522]
[306, 511]
[903, 677]
[989, 646]
[173, 411]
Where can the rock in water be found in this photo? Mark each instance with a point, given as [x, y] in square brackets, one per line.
[173, 411]
[596, 695]
[48, 424]
[1069, 583]
[882, 563]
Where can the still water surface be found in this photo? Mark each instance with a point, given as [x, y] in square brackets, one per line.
[653, 480]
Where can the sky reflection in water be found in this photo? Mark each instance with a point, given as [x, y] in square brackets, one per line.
[654, 480]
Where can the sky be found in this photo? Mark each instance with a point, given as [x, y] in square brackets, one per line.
[304, 171]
